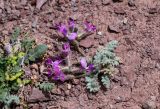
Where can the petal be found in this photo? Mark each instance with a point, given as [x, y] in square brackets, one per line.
[66, 48]
[72, 36]
[83, 63]
[49, 73]
[89, 69]
[49, 61]
[56, 63]
[62, 29]
[56, 78]
[71, 23]
[62, 76]
[56, 67]
[89, 27]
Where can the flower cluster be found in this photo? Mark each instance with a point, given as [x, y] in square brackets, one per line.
[70, 32]
[55, 69]
[67, 32]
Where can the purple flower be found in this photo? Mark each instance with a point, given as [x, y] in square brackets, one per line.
[49, 61]
[66, 48]
[89, 27]
[89, 68]
[62, 29]
[72, 36]
[83, 63]
[71, 23]
[59, 76]
[56, 71]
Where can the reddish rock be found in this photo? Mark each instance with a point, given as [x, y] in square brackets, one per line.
[87, 43]
[36, 95]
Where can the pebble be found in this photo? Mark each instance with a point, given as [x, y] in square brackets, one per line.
[36, 95]
[106, 2]
[69, 86]
[131, 3]
[2, 4]
[34, 66]
[114, 28]
[42, 69]
[100, 33]
[150, 104]
[40, 3]
[87, 43]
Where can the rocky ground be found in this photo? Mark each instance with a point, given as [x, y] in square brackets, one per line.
[134, 23]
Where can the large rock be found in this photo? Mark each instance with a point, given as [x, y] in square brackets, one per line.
[87, 43]
[36, 96]
[106, 2]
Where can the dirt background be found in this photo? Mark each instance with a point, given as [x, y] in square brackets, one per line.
[134, 23]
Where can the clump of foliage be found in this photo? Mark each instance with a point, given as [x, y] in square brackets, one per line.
[45, 86]
[71, 35]
[17, 53]
[97, 73]
[105, 60]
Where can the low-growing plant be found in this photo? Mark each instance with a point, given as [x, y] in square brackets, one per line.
[102, 65]
[17, 52]
[105, 61]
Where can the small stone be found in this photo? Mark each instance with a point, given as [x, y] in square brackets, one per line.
[118, 99]
[27, 71]
[149, 105]
[16, 12]
[131, 3]
[23, 2]
[42, 68]
[75, 81]
[39, 3]
[125, 20]
[117, 0]
[124, 81]
[2, 4]
[34, 24]
[114, 28]
[69, 86]
[100, 33]
[36, 106]
[36, 95]
[153, 10]
[34, 66]
[58, 91]
[119, 10]
[67, 92]
[87, 43]
[5, 32]
[106, 2]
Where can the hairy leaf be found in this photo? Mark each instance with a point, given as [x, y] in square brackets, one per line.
[92, 84]
[46, 86]
[37, 52]
[106, 56]
[15, 35]
[105, 81]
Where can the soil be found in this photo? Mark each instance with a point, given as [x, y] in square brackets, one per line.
[134, 23]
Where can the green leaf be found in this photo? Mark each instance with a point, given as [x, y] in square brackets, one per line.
[11, 99]
[45, 86]
[15, 35]
[37, 52]
[105, 81]
[106, 57]
[92, 84]
[27, 44]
